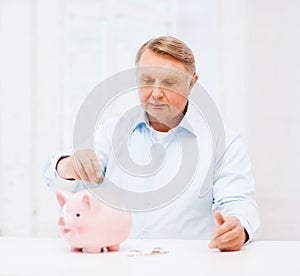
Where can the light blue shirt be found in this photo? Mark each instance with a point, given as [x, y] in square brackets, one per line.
[190, 215]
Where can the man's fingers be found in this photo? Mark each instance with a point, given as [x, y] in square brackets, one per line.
[88, 166]
[98, 170]
[231, 245]
[219, 218]
[82, 165]
[227, 225]
[77, 176]
[79, 170]
[227, 242]
[228, 236]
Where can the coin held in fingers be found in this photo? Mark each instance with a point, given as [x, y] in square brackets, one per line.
[99, 178]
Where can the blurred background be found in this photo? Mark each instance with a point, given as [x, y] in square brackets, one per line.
[53, 52]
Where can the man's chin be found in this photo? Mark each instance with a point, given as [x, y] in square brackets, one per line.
[157, 114]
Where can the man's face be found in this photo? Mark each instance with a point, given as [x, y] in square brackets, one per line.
[164, 85]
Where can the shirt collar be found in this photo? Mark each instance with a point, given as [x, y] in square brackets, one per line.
[188, 122]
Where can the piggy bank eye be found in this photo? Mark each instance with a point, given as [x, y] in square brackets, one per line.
[77, 215]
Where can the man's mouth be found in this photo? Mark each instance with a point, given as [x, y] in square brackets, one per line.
[157, 105]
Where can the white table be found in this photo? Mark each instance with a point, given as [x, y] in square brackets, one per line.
[50, 256]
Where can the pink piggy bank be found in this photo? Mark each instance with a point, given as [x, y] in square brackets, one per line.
[89, 224]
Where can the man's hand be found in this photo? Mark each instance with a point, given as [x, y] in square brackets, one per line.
[229, 234]
[82, 165]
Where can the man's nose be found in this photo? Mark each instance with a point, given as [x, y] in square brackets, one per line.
[157, 92]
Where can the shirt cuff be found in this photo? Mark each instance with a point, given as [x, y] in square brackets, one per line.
[53, 179]
[247, 227]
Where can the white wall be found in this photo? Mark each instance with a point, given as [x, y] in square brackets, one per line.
[247, 58]
[253, 49]
[30, 126]
[16, 125]
[273, 113]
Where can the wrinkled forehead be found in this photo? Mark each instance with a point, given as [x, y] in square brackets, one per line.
[159, 72]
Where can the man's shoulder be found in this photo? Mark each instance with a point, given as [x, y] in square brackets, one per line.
[126, 121]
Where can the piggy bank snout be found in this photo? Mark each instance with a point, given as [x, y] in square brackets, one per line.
[61, 221]
[63, 225]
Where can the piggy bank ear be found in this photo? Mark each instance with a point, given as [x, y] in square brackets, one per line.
[62, 197]
[87, 200]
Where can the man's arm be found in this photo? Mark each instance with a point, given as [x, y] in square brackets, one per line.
[234, 206]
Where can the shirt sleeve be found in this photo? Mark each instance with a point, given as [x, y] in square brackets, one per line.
[233, 190]
[52, 178]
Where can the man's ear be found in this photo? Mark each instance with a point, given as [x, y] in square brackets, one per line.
[62, 197]
[193, 80]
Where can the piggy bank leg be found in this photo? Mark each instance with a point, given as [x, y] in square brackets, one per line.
[93, 250]
[113, 248]
[76, 249]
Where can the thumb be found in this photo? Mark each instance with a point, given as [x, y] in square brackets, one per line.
[219, 218]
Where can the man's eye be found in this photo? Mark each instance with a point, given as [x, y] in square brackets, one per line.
[169, 83]
[148, 81]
